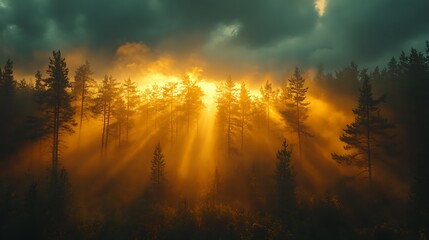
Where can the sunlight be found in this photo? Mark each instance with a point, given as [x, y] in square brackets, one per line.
[212, 120]
[209, 89]
[320, 6]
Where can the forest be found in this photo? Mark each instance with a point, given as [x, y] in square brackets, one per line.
[310, 154]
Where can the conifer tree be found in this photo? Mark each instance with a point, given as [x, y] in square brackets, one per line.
[158, 165]
[155, 103]
[192, 102]
[269, 97]
[227, 105]
[8, 83]
[131, 102]
[299, 107]
[244, 111]
[104, 105]
[119, 112]
[285, 181]
[368, 134]
[83, 82]
[58, 102]
[171, 95]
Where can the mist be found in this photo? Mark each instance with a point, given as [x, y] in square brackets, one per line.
[217, 120]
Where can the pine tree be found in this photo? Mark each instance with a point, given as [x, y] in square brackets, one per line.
[244, 111]
[58, 100]
[269, 97]
[227, 105]
[299, 111]
[39, 84]
[8, 83]
[155, 104]
[393, 69]
[7, 104]
[367, 134]
[145, 108]
[170, 96]
[192, 103]
[104, 105]
[119, 112]
[7, 93]
[83, 82]
[415, 70]
[38, 123]
[285, 181]
[1, 77]
[131, 102]
[158, 165]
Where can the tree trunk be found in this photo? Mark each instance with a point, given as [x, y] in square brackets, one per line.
[298, 129]
[104, 127]
[242, 133]
[107, 126]
[81, 110]
[369, 152]
[119, 134]
[55, 139]
[229, 127]
[268, 115]
[127, 117]
[171, 124]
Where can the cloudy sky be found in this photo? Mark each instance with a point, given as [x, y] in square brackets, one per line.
[264, 33]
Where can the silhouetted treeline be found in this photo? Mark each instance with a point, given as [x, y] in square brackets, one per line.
[251, 193]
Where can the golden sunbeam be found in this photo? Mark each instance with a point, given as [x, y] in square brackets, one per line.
[320, 6]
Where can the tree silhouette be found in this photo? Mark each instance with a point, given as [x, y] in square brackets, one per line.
[7, 83]
[244, 111]
[58, 102]
[156, 103]
[83, 81]
[145, 108]
[367, 134]
[171, 95]
[158, 165]
[414, 69]
[269, 96]
[119, 112]
[299, 111]
[8, 106]
[227, 105]
[104, 106]
[285, 181]
[192, 103]
[131, 103]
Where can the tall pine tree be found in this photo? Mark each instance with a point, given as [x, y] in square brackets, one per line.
[285, 182]
[131, 102]
[158, 165]
[227, 105]
[368, 134]
[269, 96]
[171, 95]
[58, 101]
[104, 105]
[244, 111]
[299, 107]
[83, 82]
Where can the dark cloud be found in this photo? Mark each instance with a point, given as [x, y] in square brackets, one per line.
[365, 30]
[276, 32]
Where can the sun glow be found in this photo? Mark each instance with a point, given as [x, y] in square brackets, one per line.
[320, 6]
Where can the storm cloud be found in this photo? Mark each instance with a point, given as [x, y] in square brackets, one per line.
[272, 32]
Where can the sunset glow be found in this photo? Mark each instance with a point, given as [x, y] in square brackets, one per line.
[210, 120]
